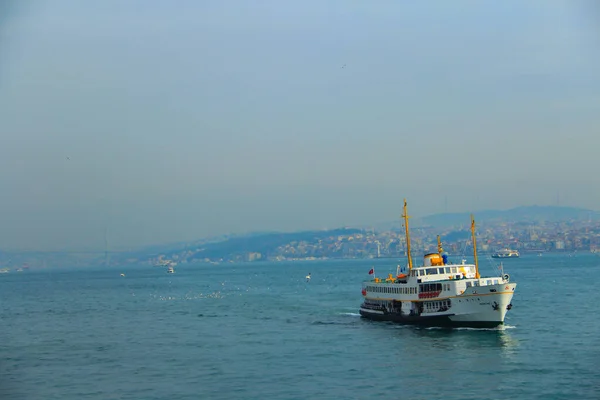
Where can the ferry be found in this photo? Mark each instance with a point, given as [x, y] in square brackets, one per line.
[506, 253]
[438, 293]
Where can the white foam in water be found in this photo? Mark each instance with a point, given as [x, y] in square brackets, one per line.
[464, 328]
[351, 314]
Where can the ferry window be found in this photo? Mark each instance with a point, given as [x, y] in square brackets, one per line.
[476, 283]
[431, 271]
[468, 284]
[447, 270]
[489, 282]
[440, 270]
[453, 269]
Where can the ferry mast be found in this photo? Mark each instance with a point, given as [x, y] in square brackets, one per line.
[405, 216]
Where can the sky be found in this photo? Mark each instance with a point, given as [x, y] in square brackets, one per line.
[173, 121]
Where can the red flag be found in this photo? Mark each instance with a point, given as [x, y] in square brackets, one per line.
[371, 271]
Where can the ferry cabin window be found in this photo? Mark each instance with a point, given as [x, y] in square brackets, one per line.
[431, 271]
[453, 270]
[468, 284]
[431, 287]
[440, 270]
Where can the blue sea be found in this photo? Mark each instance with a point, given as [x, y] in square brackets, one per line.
[259, 330]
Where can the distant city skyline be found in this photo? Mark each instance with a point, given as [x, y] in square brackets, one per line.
[168, 123]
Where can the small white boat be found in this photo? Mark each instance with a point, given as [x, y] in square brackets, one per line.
[506, 253]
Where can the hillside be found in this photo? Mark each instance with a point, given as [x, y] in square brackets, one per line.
[258, 245]
[361, 243]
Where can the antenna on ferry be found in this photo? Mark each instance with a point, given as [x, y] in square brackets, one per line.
[441, 250]
[405, 216]
[474, 247]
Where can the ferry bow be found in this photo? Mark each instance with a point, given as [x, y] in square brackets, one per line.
[439, 293]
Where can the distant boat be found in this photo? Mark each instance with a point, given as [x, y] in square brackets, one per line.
[165, 263]
[506, 253]
[170, 270]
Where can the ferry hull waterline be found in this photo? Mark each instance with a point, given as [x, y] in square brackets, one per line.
[439, 293]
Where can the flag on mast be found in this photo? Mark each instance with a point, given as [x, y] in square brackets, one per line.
[372, 271]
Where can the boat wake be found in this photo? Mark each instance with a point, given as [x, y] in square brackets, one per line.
[350, 314]
[332, 323]
[464, 328]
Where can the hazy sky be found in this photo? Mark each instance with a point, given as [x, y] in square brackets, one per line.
[191, 118]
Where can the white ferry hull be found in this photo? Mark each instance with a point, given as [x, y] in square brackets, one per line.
[478, 307]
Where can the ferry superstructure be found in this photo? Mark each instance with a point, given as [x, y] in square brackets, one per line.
[439, 293]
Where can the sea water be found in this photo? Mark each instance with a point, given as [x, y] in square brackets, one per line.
[260, 330]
